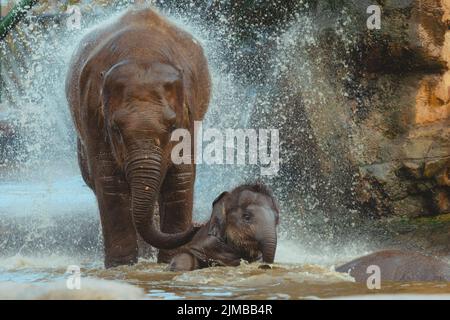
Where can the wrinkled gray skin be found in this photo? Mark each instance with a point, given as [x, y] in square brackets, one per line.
[243, 226]
[397, 265]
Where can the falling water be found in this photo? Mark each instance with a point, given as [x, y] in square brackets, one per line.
[42, 172]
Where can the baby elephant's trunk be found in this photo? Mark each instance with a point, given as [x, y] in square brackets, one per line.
[268, 244]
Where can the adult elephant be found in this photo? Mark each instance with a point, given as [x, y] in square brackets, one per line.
[130, 84]
[398, 265]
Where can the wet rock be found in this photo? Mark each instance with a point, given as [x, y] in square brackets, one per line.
[413, 169]
[383, 172]
[433, 167]
[397, 89]
[441, 201]
[443, 178]
[374, 108]
[412, 206]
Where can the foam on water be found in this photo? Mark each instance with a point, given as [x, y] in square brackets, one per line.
[92, 289]
[250, 276]
[21, 262]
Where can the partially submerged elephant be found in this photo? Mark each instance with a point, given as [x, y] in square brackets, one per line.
[397, 265]
[243, 226]
[131, 83]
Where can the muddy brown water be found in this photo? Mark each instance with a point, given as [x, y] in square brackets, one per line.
[46, 278]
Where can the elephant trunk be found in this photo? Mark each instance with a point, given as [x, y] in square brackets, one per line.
[268, 244]
[143, 172]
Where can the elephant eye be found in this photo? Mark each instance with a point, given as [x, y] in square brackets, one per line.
[247, 216]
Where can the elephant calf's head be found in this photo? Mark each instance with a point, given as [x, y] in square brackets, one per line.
[247, 219]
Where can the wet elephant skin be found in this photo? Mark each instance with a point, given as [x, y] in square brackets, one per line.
[130, 84]
[397, 265]
[243, 226]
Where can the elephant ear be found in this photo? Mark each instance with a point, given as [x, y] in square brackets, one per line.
[218, 217]
[277, 210]
[174, 96]
[114, 82]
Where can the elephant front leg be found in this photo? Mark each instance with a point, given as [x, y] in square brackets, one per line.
[175, 204]
[119, 235]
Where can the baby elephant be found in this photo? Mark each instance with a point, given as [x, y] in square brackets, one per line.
[243, 225]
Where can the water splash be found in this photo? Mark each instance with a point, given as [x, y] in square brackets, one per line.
[279, 68]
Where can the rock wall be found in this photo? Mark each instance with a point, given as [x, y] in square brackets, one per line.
[370, 108]
[402, 143]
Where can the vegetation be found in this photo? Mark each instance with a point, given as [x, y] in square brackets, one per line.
[14, 16]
